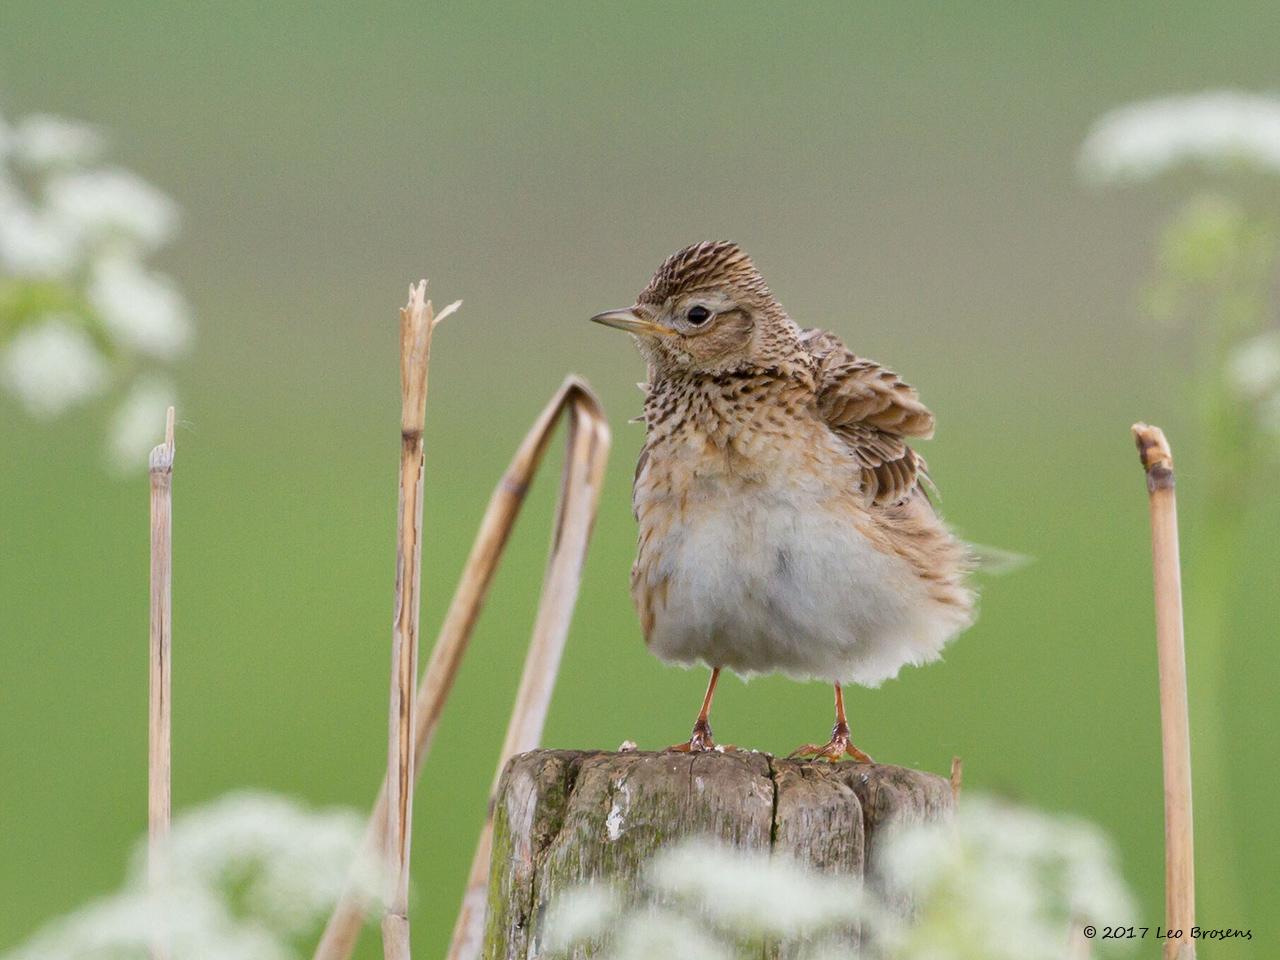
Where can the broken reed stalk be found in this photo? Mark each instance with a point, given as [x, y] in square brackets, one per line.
[159, 735]
[581, 484]
[574, 396]
[417, 322]
[1179, 854]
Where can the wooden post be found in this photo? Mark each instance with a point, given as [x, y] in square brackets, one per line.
[563, 818]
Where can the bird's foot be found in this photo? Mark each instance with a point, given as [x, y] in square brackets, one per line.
[699, 741]
[837, 748]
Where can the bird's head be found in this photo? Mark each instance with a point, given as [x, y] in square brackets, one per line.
[706, 310]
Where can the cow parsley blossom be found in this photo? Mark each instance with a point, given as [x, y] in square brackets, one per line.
[996, 883]
[250, 875]
[82, 315]
[1214, 129]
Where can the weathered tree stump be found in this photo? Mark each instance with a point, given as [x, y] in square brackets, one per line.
[565, 817]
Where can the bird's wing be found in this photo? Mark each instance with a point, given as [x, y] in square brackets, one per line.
[872, 411]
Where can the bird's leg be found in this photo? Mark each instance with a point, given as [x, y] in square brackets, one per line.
[700, 739]
[838, 747]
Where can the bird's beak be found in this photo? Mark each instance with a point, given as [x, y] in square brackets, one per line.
[627, 319]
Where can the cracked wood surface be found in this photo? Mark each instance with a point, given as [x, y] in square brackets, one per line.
[566, 817]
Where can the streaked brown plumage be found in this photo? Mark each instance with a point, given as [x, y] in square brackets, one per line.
[783, 522]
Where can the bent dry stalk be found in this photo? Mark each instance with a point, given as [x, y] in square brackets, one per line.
[581, 481]
[578, 498]
[417, 322]
[158, 693]
[1179, 853]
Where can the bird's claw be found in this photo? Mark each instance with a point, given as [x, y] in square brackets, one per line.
[836, 749]
[699, 741]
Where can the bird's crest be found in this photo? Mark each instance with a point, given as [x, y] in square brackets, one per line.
[705, 264]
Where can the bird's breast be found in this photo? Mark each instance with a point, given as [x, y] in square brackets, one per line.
[762, 575]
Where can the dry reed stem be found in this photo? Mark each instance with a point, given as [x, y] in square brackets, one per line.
[580, 485]
[159, 735]
[957, 777]
[1157, 461]
[417, 322]
[586, 416]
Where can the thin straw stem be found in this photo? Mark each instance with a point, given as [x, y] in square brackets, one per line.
[1157, 461]
[581, 485]
[159, 735]
[343, 928]
[417, 321]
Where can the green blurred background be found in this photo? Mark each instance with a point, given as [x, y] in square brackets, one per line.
[903, 174]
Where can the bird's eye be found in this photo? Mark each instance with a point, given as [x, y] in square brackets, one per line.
[698, 315]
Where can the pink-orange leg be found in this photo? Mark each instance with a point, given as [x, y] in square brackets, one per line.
[700, 739]
[838, 747]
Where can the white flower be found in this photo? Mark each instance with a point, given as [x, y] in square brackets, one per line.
[34, 244]
[1254, 366]
[138, 423]
[142, 310]
[658, 933]
[52, 366]
[996, 883]
[703, 900]
[109, 204]
[249, 873]
[194, 926]
[283, 865]
[1001, 883]
[1216, 128]
[73, 240]
[41, 140]
[755, 892]
[582, 913]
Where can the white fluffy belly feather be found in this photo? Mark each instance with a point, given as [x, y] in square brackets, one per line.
[768, 580]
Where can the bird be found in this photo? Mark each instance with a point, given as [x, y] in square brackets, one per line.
[785, 524]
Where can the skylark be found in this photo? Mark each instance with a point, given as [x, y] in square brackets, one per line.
[784, 524]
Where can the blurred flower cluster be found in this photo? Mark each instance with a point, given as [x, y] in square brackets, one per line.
[251, 874]
[1217, 264]
[1219, 256]
[997, 882]
[1001, 882]
[82, 315]
[1216, 129]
